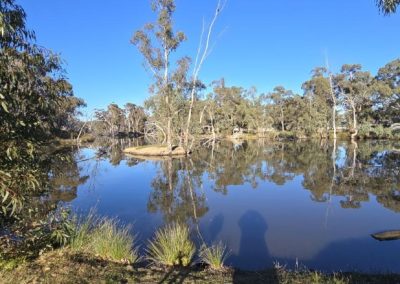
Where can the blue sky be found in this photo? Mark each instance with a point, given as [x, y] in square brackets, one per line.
[261, 43]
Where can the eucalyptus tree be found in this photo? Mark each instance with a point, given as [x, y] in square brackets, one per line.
[175, 92]
[116, 117]
[388, 6]
[36, 100]
[202, 53]
[278, 98]
[321, 96]
[158, 58]
[356, 89]
[387, 103]
[229, 112]
[135, 117]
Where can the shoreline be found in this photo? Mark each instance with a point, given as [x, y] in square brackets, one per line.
[65, 266]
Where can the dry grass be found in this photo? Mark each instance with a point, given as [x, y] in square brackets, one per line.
[214, 256]
[65, 266]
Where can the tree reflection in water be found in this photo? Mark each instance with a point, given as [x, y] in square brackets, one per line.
[363, 169]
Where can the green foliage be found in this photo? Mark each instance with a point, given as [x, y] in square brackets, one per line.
[156, 42]
[375, 131]
[111, 241]
[104, 237]
[36, 102]
[82, 231]
[10, 264]
[214, 256]
[388, 6]
[115, 120]
[171, 246]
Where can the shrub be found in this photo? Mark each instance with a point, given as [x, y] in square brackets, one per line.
[214, 256]
[374, 131]
[171, 246]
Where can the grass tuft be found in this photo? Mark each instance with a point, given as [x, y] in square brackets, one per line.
[171, 246]
[106, 238]
[111, 241]
[82, 232]
[214, 256]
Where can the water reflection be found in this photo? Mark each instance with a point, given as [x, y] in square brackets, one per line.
[321, 200]
[177, 191]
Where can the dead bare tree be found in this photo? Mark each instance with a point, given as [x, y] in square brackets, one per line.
[202, 54]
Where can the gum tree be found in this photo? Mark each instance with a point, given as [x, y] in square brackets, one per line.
[157, 41]
[388, 6]
[355, 87]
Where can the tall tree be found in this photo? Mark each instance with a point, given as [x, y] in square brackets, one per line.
[278, 97]
[157, 56]
[36, 100]
[355, 87]
[321, 99]
[387, 103]
[202, 53]
[135, 118]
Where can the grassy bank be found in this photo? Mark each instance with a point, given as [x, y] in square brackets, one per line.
[66, 266]
[100, 250]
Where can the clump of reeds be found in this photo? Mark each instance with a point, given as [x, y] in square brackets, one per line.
[171, 246]
[214, 256]
[106, 238]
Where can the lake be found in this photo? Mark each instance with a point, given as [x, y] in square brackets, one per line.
[305, 203]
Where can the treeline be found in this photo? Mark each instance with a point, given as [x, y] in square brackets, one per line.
[352, 101]
[116, 121]
[181, 108]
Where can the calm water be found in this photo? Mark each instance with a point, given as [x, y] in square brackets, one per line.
[305, 202]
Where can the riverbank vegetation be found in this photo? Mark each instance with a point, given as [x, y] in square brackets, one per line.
[38, 238]
[64, 266]
[85, 259]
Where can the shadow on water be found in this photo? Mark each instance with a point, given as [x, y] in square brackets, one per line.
[253, 252]
[362, 254]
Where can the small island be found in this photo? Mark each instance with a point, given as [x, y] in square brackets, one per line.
[155, 151]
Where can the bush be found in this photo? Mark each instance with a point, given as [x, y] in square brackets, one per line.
[374, 131]
[286, 135]
[214, 256]
[171, 246]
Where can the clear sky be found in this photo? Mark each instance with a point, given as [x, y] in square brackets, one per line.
[261, 43]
